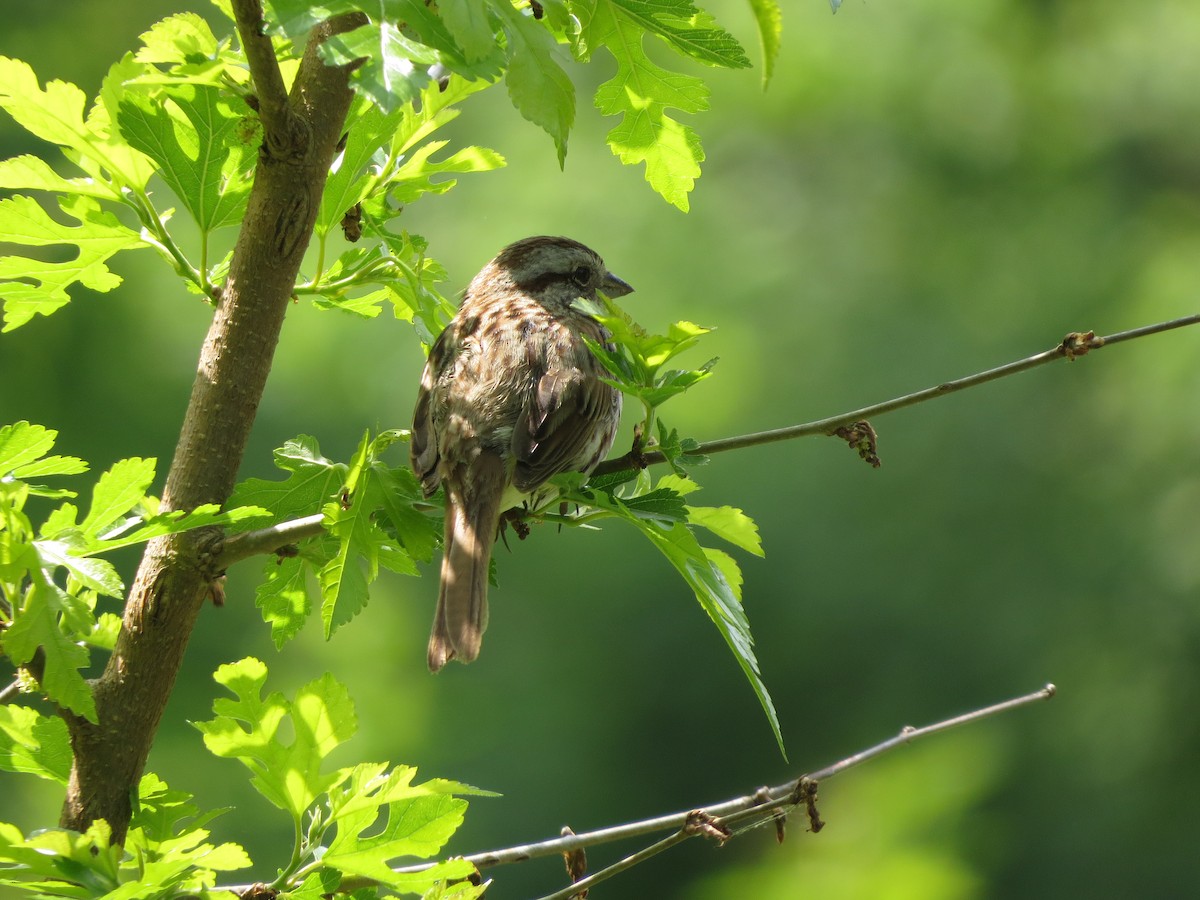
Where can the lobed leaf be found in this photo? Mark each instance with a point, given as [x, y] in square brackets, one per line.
[419, 819]
[372, 522]
[641, 92]
[283, 598]
[37, 626]
[248, 728]
[201, 145]
[29, 286]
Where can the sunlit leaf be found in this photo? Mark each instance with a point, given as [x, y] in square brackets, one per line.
[33, 743]
[250, 728]
[31, 286]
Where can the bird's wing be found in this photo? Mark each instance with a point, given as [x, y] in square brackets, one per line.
[423, 446]
[559, 424]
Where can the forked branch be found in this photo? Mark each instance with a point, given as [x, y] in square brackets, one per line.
[719, 821]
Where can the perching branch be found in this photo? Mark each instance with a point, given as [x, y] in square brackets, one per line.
[268, 540]
[1073, 345]
[720, 821]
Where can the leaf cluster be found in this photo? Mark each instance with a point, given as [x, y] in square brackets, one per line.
[372, 519]
[52, 577]
[284, 743]
[348, 822]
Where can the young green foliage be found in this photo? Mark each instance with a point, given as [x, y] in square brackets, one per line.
[481, 40]
[33, 743]
[641, 92]
[370, 519]
[60, 620]
[388, 163]
[635, 366]
[164, 854]
[340, 806]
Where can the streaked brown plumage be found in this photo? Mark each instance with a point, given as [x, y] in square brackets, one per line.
[510, 396]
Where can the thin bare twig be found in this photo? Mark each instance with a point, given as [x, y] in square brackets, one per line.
[764, 805]
[1073, 345]
[761, 807]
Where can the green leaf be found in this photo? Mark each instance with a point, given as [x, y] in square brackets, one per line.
[419, 820]
[36, 626]
[470, 25]
[688, 30]
[395, 66]
[97, 575]
[178, 39]
[347, 558]
[769, 18]
[344, 581]
[295, 18]
[21, 444]
[312, 480]
[729, 523]
[415, 176]
[187, 47]
[713, 577]
[32, 287]
[662, 505]
[201, 145]
[283, 598]
[537, 84]
[33, 743]
[248, 728]
[58, 862]
[31, 173]
[368, 129]
[56, 115]
[642, 91]
[639, 355]
[118, 491]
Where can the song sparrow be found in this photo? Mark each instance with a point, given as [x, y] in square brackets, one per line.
[510, 396]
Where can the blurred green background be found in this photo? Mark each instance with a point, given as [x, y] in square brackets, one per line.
[927, 189]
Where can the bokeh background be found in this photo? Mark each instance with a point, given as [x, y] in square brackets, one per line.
[927, 189]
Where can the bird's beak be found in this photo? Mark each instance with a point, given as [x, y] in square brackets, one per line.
[614, 286]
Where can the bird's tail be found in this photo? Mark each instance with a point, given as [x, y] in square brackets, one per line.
[472, 517]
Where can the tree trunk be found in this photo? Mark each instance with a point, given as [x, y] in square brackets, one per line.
[173, 580]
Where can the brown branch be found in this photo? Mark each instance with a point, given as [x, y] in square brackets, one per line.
[1074, 345]
[266, 540]
[170, 586]
[271, 96]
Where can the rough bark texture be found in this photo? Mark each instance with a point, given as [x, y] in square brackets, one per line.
[172, 582]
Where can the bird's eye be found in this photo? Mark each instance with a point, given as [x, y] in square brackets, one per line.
[581, 276]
